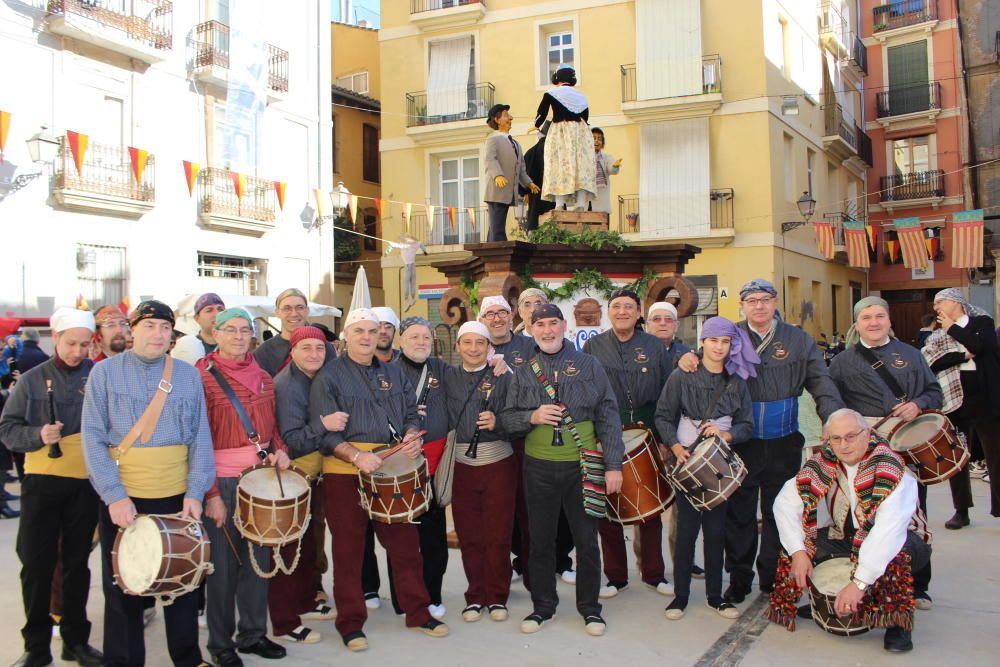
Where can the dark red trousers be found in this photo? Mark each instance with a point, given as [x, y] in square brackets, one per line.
[483, 507]
[289, 595]
[348, 523]
[650, 547]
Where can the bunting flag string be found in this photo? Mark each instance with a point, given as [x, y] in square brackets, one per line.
[451, 217]
[430, 215]
[932, 247]
[871, 236]
[407, 210]
[239, 183]
[911, 242]
[4, 129]
[279, 190]
[81, 302]
[472, 216]
[78, 147]
[967, 239]
[379, 206]
[892, 248]
[856, 240]
[139, 158]
[124, 306]
[318, 196]
[191, 170]
[824, 238]
[354, 207]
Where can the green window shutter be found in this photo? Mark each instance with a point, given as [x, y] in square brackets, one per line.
[909, 91]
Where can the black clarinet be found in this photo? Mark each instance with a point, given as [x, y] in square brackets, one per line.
[423, 400]
[557, 439]
[474, 441]
[55, 451]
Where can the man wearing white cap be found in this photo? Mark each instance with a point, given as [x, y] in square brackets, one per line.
[381, 408]
[388, 325]
[662, 322]
[42, 419]
[486, 475]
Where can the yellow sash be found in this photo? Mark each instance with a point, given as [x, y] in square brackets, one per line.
[334, 466]
[311, 464]
[153, 472]
[70, 464]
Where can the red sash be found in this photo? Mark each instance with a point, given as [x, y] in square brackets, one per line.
[433, 451]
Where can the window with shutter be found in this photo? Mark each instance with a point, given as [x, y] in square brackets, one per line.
[370, 154]
[909, 91]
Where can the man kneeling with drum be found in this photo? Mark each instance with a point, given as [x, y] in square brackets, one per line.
[702, 414]
[856, 500]
[239, 398]
[143, 396]
[381, 408]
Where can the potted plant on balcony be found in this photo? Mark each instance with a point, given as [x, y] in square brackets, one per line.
[633, 220]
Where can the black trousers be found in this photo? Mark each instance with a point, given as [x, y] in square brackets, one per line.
[770, 463]
[498, 221]
[922, 575]
[124, 643]
[827, 548]
[52, 509]
[433, 532]
[549, 486]
[712, 525]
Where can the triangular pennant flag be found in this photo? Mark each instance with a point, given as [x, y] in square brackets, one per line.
[932, 246]
[81, 302]
[451, 216]
[891, 246]
[123, 306]
[4, 129]
[911, 237]
[407, 209]
[318, 196]
[239, 183]
[871, 236]
[430, 215]
[139, 158]
[354, 207]
[78, 147]
[379, 207]
[279, 189]
[967, 239]
[472, 216]
[191, 170]
[824, 238]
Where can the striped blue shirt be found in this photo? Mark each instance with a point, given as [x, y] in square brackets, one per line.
[118, 391]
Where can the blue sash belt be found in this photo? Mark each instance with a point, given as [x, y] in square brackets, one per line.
[775, 419]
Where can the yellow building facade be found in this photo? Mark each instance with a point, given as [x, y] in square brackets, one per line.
[720, 111]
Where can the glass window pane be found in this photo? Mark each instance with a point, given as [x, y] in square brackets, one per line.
[554, 57]
[470, 193]
[449, 194]
[449, 170]
[900, 159]
[470, 168]
[554, 40]
[567, 38]
[568, 57]
[921, 155]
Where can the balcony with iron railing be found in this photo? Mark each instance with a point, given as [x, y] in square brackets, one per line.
[106, 181]
[912, 189]
[220, 208]
[857, 61]
[424, 123]
[440, 14]
[839, 136]
[903, 14]
[721, 211]
[901, 103]
[210, 61]
[441, 232]
[140, 29]
[834, 27]
[864, 145]
[642, 99]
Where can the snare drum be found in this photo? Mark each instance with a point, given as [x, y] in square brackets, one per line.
[710, 474]
[931, 444]
[270, 515]
[645, 489]
[398, 492]
[827, 579]
[161, 555]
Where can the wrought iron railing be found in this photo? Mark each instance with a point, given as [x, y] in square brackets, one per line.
[833, 22]
[628, 214]
[212, 50]
[912, 185]
[835, 124]
[106, 170]
[147, 21]
[864, 145]
[480, 100]
[721, 211]
[899, 100]
[442, 232]
[901, 13]
[859, 55]
[711, 78]
[417, 6]
[217, 195]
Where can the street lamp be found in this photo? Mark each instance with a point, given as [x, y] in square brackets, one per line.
[807, 206]
[341, 197]
[43, 146]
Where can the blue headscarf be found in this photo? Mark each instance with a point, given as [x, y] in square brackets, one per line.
[742, 355]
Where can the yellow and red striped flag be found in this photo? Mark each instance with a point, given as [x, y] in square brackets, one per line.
[911, 242]
[81, 302]
[871, 236]
[279, 189]
[472, 216]
[78, 147]
[824, 238]
[430, 215]
[318, 196]
[856, 240]
[891, 247]
[124, 306]
[451, 216]
[139, 158]
[379, 207]
[4, 129]
[239, 183]
[967, 239]
[354, 207]
[191, 170]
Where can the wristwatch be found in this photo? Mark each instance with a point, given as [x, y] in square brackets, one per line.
[860, 584]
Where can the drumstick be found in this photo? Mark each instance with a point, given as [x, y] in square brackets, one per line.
[277, 473]
[877, 424]
[392, 450]
[232, 546]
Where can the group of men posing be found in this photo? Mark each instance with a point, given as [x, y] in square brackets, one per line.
[522, 407]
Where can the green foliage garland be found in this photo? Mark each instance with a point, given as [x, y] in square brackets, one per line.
[550, 233]
[587, 279]
[471, 287]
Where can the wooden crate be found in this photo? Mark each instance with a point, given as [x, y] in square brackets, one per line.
[579, 221]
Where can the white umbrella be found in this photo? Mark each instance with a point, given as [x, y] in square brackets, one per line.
[361, 298]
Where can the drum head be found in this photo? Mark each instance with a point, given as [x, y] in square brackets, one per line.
[830, 576]
[398, 464]
[262, 482]
[704, 448]
[634, 437]
[140, 554]
[917, 432]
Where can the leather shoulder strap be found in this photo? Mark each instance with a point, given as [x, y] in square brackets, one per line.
[879, 367]
[150, 417]
[237, 406]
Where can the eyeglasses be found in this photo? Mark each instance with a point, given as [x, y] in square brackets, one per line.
[494, 314]
[286, 310]
[233, 331]
[116, 325]
[762, 301]
[849, 439]
[662, 318]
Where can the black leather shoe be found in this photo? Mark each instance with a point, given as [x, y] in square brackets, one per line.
[897, 640]
[8, 496]
[8, 513]
[83, 654]
[736, 593]
[33, 660]
[958, 521]
[265, 648]
[227, 658]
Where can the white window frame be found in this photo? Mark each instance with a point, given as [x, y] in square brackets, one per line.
[432, 163]
[217, 147]
[543, 30]
[250, 270]
[891, 152]
[476, 53]
[361, 90]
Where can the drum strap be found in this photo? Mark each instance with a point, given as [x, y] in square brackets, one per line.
[238, 407]
[151, 415]
[396, 437]
[567, 418]
[879, 367]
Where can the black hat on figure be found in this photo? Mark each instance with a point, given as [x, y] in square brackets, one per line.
[565, 75]
[496, 110]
